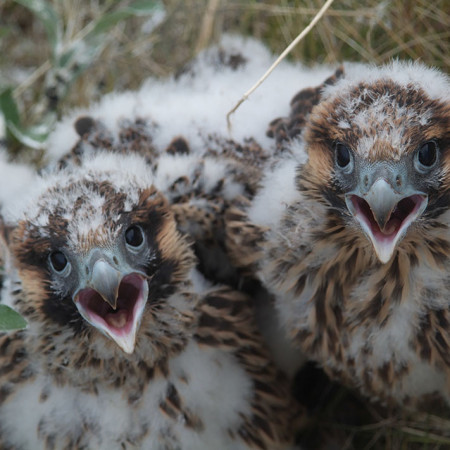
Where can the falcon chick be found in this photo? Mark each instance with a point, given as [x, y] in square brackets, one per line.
[127, 345]
[351, 229]
[179, 125]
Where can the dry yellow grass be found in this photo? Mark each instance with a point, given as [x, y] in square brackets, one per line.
[372, 31]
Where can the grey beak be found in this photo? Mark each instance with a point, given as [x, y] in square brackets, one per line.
[382, 201]
[106, 281]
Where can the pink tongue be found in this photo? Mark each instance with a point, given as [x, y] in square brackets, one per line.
[117, 319]
[392, 226]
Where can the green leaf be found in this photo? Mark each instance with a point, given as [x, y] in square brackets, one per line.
[137, 8]
[10, 319]
[33, 137]
[27, 136]
[49, 17]
[4, 31]
[144, 7]
[8, 107]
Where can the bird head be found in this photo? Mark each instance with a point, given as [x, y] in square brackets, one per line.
[379, 155]
[98, 250]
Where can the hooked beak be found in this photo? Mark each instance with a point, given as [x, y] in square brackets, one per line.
[105, 280]
[385, 215]
[113, 302]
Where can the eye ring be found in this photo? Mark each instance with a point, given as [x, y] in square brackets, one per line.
[58, 261]
[343, 157]
[134, 237]
[426, 156]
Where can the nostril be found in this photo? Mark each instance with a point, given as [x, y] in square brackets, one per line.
[398, 180]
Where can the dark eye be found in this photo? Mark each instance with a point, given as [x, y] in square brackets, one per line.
[343, 155]
[427, 154]
[134, 236]
[58, 261]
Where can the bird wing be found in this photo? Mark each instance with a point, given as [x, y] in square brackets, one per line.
[226, 322]
[245, 240]
[284, 129]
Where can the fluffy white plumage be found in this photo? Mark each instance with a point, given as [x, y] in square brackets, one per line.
[195, 103]
[407, 74]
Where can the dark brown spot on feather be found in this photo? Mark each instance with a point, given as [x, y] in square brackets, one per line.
[172, 396]
[262, 425]
[149, 372]
[84, 125]
[207, 339]
[215, 323]
[320, 305]
[178, 146]
[5, 391]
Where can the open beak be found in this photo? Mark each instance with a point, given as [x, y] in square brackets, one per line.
[385, 214]
[113, 302]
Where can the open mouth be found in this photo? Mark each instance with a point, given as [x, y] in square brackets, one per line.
[121, 323]
[404, 210]
[400, 218]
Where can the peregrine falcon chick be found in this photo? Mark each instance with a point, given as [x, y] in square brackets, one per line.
[351, 230]
[127, 345]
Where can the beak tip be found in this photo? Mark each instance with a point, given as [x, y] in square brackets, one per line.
[112, 301]
[106, 280]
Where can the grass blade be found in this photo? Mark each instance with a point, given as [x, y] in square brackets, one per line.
[137, 8]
